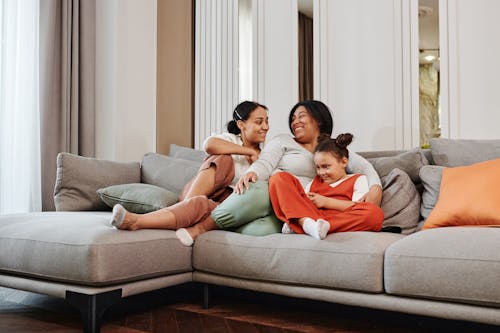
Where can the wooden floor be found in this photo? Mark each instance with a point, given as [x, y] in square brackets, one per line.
[178, 309]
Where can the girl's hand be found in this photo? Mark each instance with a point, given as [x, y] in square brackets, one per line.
[244, 182]
[317, 199]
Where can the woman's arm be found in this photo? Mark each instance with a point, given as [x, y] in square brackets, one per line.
[269, 158]
[358, 164]
[218, 146]
[264, 166]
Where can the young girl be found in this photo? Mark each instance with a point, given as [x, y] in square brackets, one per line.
[230, 154]
[329, 202]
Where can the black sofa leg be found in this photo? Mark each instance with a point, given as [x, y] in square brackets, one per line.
[92, 307]
[206, 296]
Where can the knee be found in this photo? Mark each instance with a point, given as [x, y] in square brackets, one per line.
[197, 203]
[376, 215]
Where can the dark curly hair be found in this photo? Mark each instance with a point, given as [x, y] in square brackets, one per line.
[337, 146]
[319, 111]
[241, 112]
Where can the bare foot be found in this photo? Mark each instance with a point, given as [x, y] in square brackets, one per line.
[123, 219]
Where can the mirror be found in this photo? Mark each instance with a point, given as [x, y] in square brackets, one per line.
[429, 106]
[305, 49]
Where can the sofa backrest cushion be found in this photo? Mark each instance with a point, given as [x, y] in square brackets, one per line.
[400, 201]
[454, 152]
[409, 161]
[431, 179]
[186, 153]
[168, 172]
[78, 179]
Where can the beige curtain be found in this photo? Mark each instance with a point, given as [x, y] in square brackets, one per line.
[305, 58]
[67, 80]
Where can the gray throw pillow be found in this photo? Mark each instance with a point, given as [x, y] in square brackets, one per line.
[137, 198]
[410, 162]
[78, 179]
[167, 172]
[431, 179]
[400, 201]
[187, 153]
[454, 152]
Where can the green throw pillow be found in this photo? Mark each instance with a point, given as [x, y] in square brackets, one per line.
[261, 227]
[239, 209]
[137, 198]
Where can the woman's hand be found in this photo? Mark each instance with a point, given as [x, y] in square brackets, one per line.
[318, 200]
[252, 157]
[244, 182]
[373, 196]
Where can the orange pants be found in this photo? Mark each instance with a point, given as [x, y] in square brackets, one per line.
[191, 211]
[290, 203]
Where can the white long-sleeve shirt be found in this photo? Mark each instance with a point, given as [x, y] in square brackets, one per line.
[283, 153]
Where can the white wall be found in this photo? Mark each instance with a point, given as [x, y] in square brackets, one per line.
[125, 79]
[473, 70]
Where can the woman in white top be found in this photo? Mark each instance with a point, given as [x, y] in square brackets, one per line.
[230, 154]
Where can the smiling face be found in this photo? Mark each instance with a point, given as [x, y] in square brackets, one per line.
[330, 168]
[254, 129]
[304, 127]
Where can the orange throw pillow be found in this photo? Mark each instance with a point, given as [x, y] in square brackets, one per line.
[468, 195]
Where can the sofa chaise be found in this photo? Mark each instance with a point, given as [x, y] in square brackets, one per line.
[75, 254]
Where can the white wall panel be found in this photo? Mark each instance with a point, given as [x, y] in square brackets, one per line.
[472, 71]
[276, 59]
[360, 71]
[216, 66]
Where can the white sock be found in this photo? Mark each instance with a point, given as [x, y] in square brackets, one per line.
[118, 215]
[316, 229]
[184, 236]
[323, 227]
[286, 229]
[311, 227]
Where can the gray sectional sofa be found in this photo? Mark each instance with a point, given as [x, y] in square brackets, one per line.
[76, 255]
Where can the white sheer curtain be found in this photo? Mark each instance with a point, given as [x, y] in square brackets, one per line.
[19, 108]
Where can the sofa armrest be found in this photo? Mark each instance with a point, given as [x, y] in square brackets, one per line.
[78, 179]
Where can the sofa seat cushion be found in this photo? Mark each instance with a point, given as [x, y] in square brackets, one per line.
[83, 248]
[349, 260]
[460, 264]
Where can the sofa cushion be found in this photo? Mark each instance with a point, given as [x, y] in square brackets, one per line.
[469, 195]
[400, 201]
[347, 260]
[83, 248]
[410, 162]
[454, 152]
[168, 172]
[78, 179]
[138, 198]
[187, 153]
[459, 264]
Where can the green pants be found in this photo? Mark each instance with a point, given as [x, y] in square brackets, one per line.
[240, 209]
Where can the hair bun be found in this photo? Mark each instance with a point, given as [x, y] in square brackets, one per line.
[344, 139]
[324, 137]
